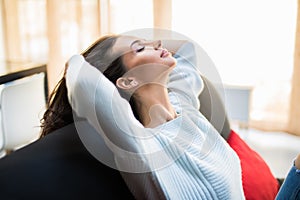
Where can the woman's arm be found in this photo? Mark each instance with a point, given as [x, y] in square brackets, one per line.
[93, 97]
[209, 97]
[185, 81]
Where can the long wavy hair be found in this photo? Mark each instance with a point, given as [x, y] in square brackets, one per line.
[59, 111]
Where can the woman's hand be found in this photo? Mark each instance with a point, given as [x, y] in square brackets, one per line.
[297, 162]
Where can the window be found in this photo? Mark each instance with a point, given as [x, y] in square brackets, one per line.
[251, 43]
[130, 14]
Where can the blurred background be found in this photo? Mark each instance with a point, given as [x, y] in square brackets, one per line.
[255, 46]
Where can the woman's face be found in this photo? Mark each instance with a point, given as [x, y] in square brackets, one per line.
[146, 63]
[138, 52]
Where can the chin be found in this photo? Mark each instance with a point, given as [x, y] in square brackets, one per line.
[174, 63]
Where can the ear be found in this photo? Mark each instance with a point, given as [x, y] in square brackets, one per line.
[127, 83]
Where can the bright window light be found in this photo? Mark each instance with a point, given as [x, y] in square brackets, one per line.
[248, 41]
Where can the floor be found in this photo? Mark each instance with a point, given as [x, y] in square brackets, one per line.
[277, 148]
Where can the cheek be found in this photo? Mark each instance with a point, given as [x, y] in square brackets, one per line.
[129, 61]
[144, 59]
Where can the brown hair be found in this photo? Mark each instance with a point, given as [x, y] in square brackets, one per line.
[59, 111]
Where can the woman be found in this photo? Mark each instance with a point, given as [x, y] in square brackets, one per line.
[174, 149]
[59, 112]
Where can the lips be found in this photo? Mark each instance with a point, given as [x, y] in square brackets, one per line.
[164, 53]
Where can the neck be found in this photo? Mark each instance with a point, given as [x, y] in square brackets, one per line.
[154, 105]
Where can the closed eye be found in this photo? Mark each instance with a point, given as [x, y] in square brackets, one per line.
[141, 48]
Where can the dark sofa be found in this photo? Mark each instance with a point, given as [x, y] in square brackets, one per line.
[58, 166]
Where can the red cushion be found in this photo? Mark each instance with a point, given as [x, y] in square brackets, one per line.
[258, 180]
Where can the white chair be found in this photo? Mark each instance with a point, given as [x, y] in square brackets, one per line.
[2, 150]
[22, 106]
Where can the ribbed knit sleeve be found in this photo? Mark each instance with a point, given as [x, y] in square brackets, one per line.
[185, 81]
[94, 98]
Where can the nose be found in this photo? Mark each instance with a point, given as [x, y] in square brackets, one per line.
[157, 44]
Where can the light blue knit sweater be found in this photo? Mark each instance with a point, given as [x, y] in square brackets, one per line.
[184, 158]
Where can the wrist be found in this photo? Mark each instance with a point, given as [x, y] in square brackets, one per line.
[297, 162]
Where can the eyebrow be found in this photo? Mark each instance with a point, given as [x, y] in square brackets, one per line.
[134, 42]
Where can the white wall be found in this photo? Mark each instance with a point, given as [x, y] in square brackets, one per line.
[2, 52]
